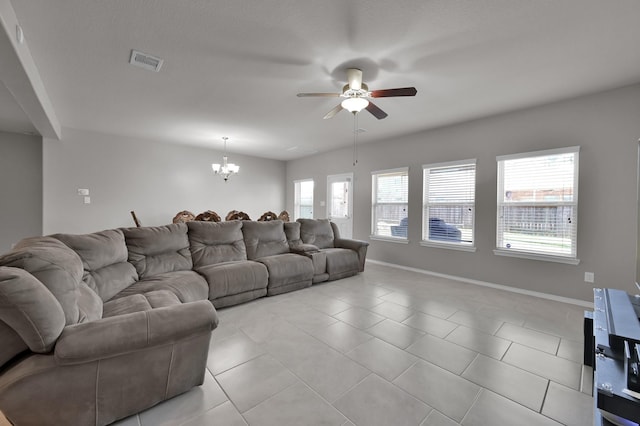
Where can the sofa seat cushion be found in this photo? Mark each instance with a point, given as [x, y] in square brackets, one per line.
[104, 258]
[162, 299]
[189, 286]
[287, 272]
[231, 278]
[126, 305]
[155, 250]
[341, 263]
[140, 302]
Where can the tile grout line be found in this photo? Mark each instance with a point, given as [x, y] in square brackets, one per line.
[269, 398]
[475, 401]
[469, 365]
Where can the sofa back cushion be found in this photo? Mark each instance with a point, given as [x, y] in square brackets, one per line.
[264, 238]
[55, 265]
[104, 259]
[216, 242]
[292, 231]
[30, 309]
[155, 250]
[317, 232]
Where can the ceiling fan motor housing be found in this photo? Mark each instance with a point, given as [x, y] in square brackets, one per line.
[363, 92]
[354, 77]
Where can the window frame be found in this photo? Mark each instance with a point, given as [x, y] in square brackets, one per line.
[452, 245]
[375, 204]
[571, 259]
[296, 197]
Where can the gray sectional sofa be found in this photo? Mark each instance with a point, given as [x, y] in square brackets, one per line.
[96, 327]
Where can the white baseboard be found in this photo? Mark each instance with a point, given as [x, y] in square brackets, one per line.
[539, 294]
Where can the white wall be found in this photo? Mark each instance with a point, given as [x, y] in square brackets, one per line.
[20, 188]
[605, 125]
[156, 180]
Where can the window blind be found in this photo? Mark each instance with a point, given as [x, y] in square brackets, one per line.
[390, 203]
[538, 202]
[448, 201]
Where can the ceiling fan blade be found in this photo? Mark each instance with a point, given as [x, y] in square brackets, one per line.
[375, 111]
[354, 77]
[333, 112]
[403, 91]
[324, 95]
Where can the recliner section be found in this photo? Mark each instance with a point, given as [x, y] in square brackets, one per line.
[220, 256]
[267, 244]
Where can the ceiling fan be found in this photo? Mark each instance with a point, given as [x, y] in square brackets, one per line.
[355, 93]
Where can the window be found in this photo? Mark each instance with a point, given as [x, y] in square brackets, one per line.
[538, 205]
[339, 199]
[448, 204]
[390, 193]
[303, 199]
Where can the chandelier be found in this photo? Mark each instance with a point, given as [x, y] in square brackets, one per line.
[226, 169]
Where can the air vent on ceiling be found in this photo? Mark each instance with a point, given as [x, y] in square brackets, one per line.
[145, 61]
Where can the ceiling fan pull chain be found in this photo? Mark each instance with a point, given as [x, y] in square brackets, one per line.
[355, 138]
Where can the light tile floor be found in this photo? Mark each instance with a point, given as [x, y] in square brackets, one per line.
[390, 347]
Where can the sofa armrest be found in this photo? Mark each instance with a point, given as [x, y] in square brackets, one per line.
[350, 243]
[358, 246]
[113, 336]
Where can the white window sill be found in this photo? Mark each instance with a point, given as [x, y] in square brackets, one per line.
[532, 256]
[397, 240]
[448, 246]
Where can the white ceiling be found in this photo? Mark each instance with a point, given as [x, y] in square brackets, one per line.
[233, 68]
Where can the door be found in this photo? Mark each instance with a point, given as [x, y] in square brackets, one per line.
[340, 202]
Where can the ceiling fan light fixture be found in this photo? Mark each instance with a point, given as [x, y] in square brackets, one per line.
[354, 104]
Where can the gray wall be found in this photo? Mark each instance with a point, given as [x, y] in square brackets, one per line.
[605, 125]
[156, 180]
[20, 188]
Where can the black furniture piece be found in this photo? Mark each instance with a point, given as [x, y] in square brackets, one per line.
[615, 352]
[438, 230]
